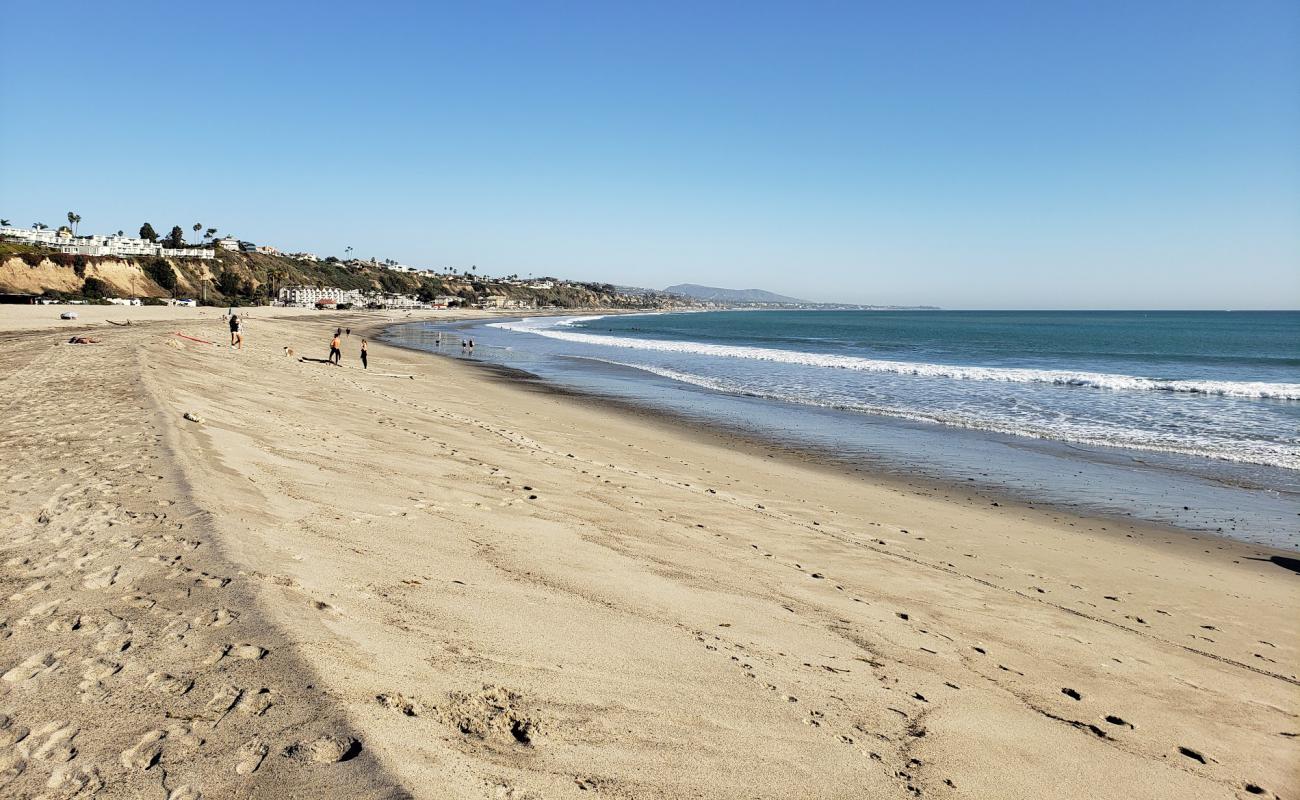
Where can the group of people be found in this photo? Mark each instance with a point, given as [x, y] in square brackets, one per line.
[336, 348]
[336, 344]
[466, 345]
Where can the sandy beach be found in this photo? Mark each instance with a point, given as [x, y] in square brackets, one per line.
[420, 580]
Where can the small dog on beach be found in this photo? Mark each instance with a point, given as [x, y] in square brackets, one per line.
[288, 351]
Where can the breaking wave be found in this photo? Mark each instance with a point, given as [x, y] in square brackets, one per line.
[562, 329]
[1244, 452]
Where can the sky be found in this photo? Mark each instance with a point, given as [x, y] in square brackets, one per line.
[969, 155]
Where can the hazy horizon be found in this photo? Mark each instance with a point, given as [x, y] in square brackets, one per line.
[1018, 156]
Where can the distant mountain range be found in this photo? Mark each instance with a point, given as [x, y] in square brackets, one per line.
[717, 295]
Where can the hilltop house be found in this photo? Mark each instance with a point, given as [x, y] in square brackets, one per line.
[97, 245]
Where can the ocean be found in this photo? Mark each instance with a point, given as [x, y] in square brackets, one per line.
[1185, 418]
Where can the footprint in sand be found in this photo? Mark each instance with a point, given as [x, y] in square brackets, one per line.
[71, 780]
[40, 611]
[98, 669]
[12, 764]
[251, 754]
[216, 618]
[30, 589]
[101, 578]
[58, 741]
[10, 733]
[249, 652]
[224, 699]
[185, 792]
[144, 753]
[66, 624]
[30, 667]
[167, 683]
[257, 703]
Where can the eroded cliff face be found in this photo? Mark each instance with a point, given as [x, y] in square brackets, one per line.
[124, 277]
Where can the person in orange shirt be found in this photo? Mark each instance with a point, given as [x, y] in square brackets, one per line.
[335, 352]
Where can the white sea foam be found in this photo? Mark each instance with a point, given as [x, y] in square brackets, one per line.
[562, 329]
[1226, 449]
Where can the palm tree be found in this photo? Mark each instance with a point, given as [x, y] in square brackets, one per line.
[74, 220]
[210, 233]
[39, 226]
[198, 226]
[347, 251]
[4, 223]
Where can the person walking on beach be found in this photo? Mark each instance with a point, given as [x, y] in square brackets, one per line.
[236, 332]
[335, 353]
[365, 363]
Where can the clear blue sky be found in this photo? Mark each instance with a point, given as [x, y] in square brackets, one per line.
[1033, 154]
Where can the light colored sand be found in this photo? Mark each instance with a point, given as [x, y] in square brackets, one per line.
[503, 593]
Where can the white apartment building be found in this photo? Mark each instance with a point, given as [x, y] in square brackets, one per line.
[228, 243]
[96, 245]
[306, 296]
[395, 301]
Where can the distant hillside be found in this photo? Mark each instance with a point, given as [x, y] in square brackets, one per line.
[234, 278]
[717, 295]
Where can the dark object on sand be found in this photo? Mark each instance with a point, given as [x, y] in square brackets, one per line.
[82, 340]
[1285, 562]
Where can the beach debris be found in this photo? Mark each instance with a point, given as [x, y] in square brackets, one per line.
[192, 417]
[69, 315]
[194, 339]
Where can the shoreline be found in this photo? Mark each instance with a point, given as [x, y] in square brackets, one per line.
[872, 470]
[509, 593]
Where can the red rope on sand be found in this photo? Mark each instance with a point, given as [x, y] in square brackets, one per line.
[192, 339]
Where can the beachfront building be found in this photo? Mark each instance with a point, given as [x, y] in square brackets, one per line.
[307, 296]
[97, 245]
[395, 301]
[228, 243]
[446, 301]
[501, 301]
